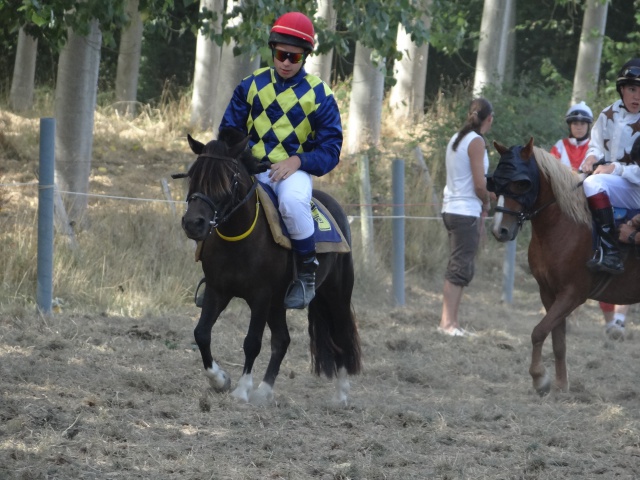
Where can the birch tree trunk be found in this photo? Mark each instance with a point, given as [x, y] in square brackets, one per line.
[585, 80]
[129, 62]
[406, 98]
[320, 65]
[365, 104]
[24, 70]
[492, 49]
[235, 69]
[75, 103]
[207, 67]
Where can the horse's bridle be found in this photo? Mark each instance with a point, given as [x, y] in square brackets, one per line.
[223, 213]
[524, 215]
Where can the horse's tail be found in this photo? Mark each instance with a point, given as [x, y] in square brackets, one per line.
[333, 332]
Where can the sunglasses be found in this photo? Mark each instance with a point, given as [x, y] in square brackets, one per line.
[281, 56]
[631, 72]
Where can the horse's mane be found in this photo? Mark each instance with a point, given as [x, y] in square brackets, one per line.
[565, 186]
[215, 177]
[211, 176]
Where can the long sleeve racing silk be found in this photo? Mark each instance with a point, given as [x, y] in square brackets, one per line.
[612, 137]
[286, 117]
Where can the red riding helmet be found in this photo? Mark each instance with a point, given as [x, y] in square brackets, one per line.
[629, 74]
[293, 28]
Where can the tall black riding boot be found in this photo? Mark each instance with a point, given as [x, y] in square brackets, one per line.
[607, 257]
[303, 288]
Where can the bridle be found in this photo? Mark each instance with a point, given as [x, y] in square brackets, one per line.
[524, 215]
[222, 213]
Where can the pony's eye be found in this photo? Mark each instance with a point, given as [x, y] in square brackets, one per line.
[520, 187]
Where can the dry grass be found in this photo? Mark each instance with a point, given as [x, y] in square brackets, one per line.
[111, 386]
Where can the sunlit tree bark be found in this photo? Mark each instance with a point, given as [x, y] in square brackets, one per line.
[406, 98]
[492, 49]
[235, 69]
[207, 68]
[129, 61]
[585, 81]
[21, 96]
[320, 65]
[75, 104]
[365, 103]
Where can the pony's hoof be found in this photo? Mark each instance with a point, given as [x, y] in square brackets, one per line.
[220, 382]
[543, 387]
[262, 396]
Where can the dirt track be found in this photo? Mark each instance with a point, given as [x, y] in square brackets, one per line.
[98, 397]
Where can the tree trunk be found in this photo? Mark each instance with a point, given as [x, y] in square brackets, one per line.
[75, 105]
[365, 104]
[24, 70]
[129, 62]
[406, 98]
[320, 65]
[205, 76]
[585, 80]
[235, 69]
[509, 71]
[492, 48]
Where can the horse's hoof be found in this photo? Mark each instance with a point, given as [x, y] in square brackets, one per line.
[544, 387]
[262, 396]
[220, 382]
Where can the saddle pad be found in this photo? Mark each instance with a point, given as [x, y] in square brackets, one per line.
[327, 234]
[623, 215]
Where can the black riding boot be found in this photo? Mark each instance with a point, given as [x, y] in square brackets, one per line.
[607, 257]
[303, 288]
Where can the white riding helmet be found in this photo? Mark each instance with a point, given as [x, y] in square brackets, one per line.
[580, 112]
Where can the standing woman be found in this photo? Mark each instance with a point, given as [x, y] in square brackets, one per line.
[466, 201]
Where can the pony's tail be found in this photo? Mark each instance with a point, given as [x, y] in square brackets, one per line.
[333, 332]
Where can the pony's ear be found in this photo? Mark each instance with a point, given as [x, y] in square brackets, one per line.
[527, 150]
[500, 148]
[237, 149]
[196, 146]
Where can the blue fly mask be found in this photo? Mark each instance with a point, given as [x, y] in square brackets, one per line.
[516, 177]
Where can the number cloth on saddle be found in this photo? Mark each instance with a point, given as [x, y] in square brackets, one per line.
[327, 234]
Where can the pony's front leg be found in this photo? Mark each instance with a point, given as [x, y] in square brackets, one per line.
[219, 380]
[252, 346]
[558, 336]
[280, 341]
[537, 370]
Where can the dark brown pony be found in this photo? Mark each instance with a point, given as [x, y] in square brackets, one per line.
[533, 185]
[241, 259]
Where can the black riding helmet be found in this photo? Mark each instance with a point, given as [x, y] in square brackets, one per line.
[629, 74]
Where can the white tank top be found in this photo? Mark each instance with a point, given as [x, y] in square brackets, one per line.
[459, 193]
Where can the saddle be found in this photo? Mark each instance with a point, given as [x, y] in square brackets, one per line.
[327, 234]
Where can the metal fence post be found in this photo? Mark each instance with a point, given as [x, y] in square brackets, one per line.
[398, 231]
[44, 291]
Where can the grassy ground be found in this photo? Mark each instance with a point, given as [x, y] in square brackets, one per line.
[111, 386]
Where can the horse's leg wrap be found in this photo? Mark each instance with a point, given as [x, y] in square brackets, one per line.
[219, 380]
[242, 390]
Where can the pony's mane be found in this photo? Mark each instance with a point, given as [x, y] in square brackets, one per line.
[214, 177]
[565, 186]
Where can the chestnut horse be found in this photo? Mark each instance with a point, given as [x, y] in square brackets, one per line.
[241, 259]
[533, 185]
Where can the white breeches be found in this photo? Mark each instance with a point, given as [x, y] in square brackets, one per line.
[622, 192]
[294, 196]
